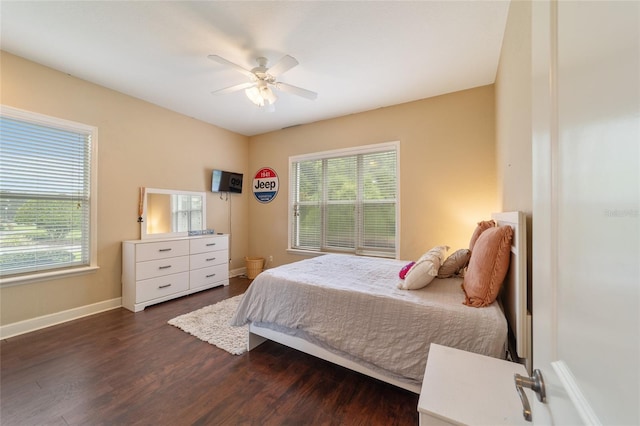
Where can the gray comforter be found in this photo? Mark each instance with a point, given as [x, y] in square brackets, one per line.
[351, 305]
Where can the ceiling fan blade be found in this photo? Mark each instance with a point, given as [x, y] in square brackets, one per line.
[223, 61]
[283, 65]
[233, 88]
[297, 91]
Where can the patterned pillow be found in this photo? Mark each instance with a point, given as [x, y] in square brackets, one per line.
[425, 269]
[405, 270]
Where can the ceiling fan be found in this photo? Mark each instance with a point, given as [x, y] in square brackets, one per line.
[261, 80]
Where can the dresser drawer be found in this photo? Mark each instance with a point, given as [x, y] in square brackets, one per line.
[157, 268]
[162, 286]
[205, 244]
[207, 276]
[161, 250]
[202, 260]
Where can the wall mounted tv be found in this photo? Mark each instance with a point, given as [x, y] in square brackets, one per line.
[222, 181]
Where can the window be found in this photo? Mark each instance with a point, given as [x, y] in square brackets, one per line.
[186, 211]
[345, 201]
[47, 196]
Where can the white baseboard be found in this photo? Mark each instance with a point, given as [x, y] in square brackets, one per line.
[26, 326]
[237, 272]
[33, 324]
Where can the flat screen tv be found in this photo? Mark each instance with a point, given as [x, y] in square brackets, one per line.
[222, 181]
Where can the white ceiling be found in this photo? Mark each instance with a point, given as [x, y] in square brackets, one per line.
[357, 55]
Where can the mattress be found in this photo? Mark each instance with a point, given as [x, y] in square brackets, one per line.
[351, 306]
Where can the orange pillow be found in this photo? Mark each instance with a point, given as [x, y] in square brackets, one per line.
[488, 266]
[482, 226]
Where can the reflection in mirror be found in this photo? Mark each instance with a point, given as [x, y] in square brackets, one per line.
[169, 213]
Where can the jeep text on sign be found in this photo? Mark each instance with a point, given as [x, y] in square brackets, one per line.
[265, 185]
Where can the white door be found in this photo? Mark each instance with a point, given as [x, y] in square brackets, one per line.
[586, 210]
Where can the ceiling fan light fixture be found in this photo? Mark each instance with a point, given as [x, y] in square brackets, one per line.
[261, 94]
[268, 95]
[259, 90]
[253, 93]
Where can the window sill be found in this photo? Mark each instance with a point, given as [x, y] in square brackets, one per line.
[310, 253]
[306, 253]
[44, 276]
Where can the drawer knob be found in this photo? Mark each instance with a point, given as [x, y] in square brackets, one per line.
[164, 267]
[211, 275]
[164, 286]
[210, 259]
[165, 249]
[211, 244]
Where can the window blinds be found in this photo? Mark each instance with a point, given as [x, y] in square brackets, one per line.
[44, 196]
[346, 203]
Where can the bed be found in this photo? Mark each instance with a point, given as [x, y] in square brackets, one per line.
[348, 310]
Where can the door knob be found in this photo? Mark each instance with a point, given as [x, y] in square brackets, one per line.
[536, 384]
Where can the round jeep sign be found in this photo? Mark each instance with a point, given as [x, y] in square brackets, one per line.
[265, 185]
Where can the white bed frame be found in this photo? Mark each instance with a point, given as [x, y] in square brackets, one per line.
[514, 303]
[514, 292]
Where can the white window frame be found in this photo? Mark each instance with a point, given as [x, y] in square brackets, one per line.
[176, 211]
[363, 149]
[45, 120]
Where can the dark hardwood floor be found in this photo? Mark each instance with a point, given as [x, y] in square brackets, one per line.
[121, 368]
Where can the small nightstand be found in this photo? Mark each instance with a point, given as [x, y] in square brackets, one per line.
[465, 388]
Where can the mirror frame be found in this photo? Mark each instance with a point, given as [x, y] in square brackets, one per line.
[143, 225]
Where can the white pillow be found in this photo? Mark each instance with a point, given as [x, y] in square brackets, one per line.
[425, 269]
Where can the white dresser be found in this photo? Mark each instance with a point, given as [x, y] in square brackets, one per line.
[156, 270]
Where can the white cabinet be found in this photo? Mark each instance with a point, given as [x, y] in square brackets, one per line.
[463, 388]
[154, 271]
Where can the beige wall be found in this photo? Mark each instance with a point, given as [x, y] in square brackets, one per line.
[447, 163]
[140, 144]
[513, 119]
[513, 111]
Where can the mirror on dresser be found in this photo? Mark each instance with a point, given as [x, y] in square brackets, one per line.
[170, 213]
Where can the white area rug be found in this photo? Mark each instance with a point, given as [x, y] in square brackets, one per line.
[211, 324]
